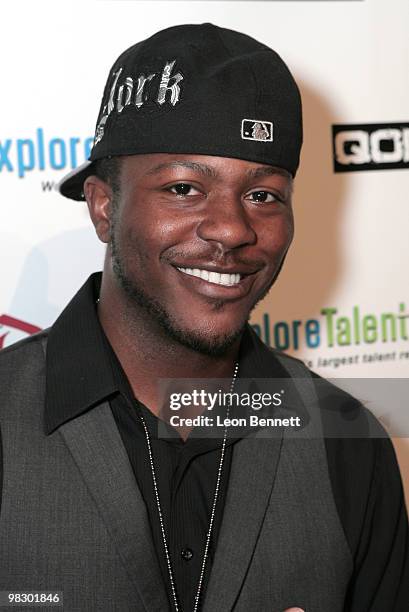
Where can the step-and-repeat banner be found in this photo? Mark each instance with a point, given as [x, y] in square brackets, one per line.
[342, 300]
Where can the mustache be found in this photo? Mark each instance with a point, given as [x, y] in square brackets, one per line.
[208, 255]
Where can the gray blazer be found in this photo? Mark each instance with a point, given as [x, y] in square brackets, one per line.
[73, 519]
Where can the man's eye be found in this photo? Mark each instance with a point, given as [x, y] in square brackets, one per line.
[263, 196]
[183, 189]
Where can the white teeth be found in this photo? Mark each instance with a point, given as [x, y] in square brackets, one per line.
[213, 277]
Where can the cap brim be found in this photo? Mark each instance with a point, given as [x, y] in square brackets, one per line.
[71, 186]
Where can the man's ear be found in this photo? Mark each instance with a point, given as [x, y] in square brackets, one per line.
[99, 200]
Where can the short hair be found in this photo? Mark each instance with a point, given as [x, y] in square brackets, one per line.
[108, 170]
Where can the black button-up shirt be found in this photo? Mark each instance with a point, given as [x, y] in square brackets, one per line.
[186, 474]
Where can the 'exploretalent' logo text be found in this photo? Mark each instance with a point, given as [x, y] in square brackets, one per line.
[40, 152]
[339, 329]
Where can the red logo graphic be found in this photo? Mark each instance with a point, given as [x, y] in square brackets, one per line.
[15, 325]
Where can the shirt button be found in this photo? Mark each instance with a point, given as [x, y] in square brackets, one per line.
[187, 554]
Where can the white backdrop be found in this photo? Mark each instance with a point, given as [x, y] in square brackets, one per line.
[351, 249]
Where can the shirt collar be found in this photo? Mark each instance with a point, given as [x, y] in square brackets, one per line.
[78, 368]
[80, 371]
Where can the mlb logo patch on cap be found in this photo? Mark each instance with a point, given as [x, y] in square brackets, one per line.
[255, 129]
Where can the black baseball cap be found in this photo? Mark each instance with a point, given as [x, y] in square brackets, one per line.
[197, 89]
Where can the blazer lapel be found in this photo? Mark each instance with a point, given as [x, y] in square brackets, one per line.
[96, 446]
[251, 481]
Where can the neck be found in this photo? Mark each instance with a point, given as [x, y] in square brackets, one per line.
[147, 352]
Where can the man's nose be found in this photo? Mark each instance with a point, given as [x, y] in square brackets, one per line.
[226, 221]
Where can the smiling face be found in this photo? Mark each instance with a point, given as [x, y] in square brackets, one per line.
[196, 241]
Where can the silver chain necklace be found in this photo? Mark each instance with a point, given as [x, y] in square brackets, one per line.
[216, 493]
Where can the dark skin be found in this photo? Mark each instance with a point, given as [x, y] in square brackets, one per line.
[192, 212]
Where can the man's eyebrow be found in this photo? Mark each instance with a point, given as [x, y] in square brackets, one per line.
[268, 171]
[195, 166]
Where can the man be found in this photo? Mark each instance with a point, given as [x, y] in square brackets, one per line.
[189, 184]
